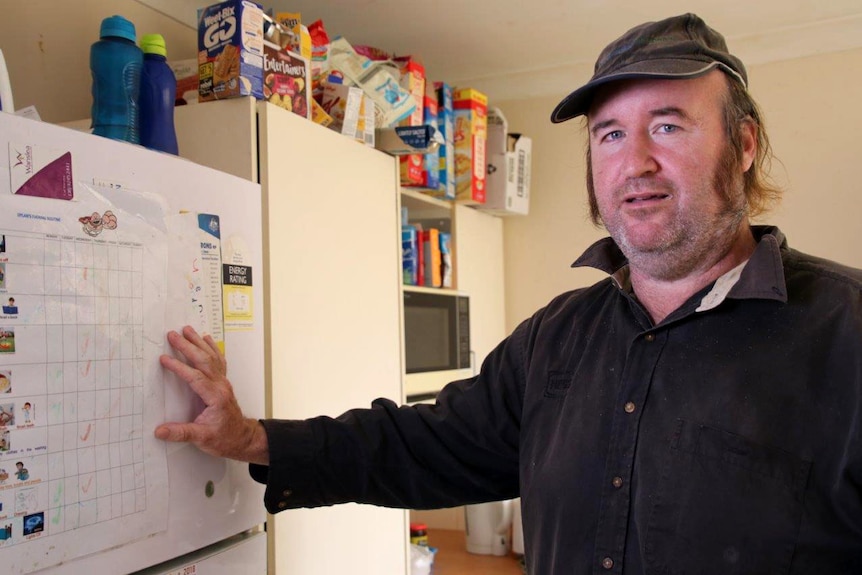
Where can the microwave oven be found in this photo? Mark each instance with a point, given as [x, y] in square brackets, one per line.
[436, 338]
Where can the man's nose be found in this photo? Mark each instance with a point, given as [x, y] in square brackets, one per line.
[640, 157]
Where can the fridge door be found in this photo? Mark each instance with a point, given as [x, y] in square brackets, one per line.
[206, 499]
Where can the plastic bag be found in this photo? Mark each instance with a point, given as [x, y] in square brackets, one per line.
[421, 559]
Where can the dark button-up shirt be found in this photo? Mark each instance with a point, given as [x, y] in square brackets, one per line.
[725, 440]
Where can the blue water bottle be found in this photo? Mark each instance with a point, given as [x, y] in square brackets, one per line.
[115, 63]
[158, 95]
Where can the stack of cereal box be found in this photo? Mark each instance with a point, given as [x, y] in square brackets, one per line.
[470, 135]
[413, 82]
[446, 152]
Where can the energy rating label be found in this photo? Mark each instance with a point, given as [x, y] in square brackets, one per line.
[81, 326]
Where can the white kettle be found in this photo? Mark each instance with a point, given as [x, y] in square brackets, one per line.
[488, 527]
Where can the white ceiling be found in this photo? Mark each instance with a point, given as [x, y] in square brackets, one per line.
[513, 49]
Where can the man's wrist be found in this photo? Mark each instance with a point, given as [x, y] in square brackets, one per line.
[258, 443]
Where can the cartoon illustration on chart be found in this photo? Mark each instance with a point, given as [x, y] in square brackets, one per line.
[7, 414]
[7, 340]
[34, 523]
[4, 475]
[95, 223]
[28, 412]
[2, 275]
[6, 381]
[5, 442]
[21, 473]
[10, 308]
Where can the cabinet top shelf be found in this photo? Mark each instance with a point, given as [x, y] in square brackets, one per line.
[413, 195]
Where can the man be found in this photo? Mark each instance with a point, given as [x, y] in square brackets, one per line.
[699, 412]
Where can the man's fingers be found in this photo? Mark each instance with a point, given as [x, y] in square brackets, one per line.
[198, 352]
[181, 432]
[190, 344]
[192, 376]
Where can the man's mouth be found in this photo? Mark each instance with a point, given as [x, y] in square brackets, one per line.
[645, 198]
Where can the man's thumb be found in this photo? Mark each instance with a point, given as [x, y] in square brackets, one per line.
[180, 432]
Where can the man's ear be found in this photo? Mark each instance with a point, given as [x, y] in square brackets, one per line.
[748, 134]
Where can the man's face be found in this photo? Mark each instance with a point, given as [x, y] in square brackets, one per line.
[665, 182]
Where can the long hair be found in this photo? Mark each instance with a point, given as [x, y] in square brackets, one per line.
[739, 108]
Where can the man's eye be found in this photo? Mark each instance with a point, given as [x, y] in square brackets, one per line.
[667, 128]
[615, 135]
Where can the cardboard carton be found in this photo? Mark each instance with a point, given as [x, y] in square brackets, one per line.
[508, 178]
[186, 73]
[446, 153]
[431, 160]
[286, 80]
[413, 82]
[230, 50]
[470, 136]
[343, 104]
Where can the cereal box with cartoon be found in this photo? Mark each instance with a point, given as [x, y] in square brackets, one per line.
[230, 50]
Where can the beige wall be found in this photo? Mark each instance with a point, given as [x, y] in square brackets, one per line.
[46, 44]
[813, 109]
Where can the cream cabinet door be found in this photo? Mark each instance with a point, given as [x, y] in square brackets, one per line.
[331, 225]
[479, 267]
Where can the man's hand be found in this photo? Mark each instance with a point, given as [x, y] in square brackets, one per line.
[220, 429]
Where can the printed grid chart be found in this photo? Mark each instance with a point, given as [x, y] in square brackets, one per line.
[71, 444]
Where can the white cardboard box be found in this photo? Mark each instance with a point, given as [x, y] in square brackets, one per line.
[508, 177]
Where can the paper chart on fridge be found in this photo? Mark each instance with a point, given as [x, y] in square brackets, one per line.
[83, 293]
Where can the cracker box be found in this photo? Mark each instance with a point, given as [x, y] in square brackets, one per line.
[446, 152]
[413, 82]
[470, 136]
[344, 105]
[508, 174]
[286, 80]
[431, 160]
[186, 73]
[230, 50]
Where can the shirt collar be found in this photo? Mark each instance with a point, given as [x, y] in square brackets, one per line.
[762, 277]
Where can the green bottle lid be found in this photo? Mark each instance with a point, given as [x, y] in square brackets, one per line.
[153, 44]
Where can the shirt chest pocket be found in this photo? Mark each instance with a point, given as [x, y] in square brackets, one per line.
[724, 505]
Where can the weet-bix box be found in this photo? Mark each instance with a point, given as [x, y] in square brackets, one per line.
[230, 50]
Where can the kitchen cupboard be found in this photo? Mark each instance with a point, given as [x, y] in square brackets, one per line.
[477, 246]
[332, 270]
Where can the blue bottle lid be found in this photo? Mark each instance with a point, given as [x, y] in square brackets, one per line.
[117, 26]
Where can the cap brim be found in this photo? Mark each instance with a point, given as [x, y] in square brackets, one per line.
[578, 102]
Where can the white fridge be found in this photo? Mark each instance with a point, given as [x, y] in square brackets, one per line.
[104, 246]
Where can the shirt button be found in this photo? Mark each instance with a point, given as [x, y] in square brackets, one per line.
[282, 504]
[608, 563]
[287, 492]
[617, 482]
[629, 407]
[650, 337]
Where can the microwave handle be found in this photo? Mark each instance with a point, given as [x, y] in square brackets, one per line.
[473, 362]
